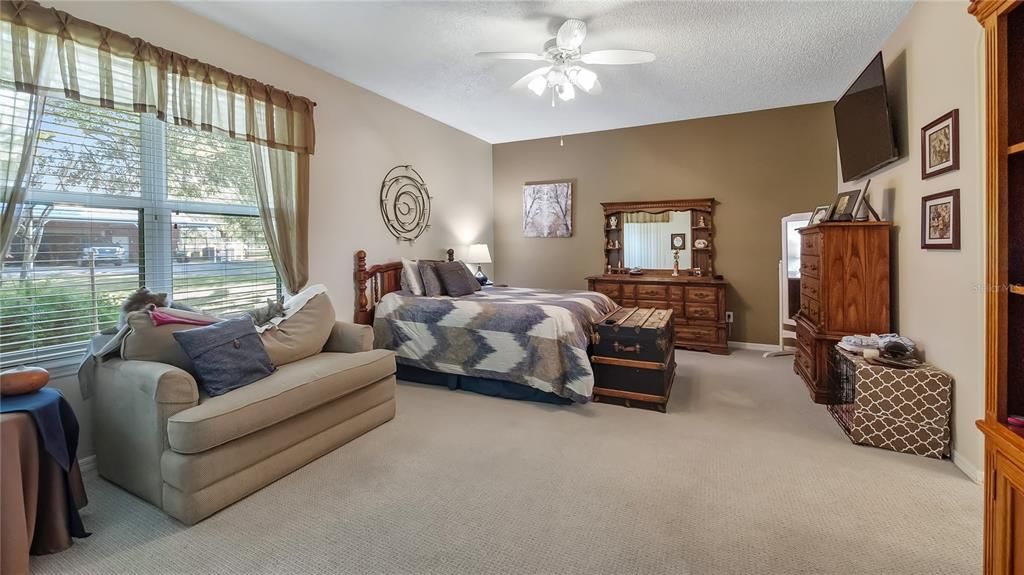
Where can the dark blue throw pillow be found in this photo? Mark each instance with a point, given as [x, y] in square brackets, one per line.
[227, 355]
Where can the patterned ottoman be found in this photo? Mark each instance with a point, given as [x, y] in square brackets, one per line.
[905, 410]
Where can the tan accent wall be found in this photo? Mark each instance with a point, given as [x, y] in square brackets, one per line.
[934, 62]
[760, 166]
[360, 136]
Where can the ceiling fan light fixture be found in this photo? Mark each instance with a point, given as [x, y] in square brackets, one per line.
[538, 85]
[584, 78]
[566, 92]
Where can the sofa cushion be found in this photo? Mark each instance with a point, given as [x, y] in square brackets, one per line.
[301, 335]
[148, 342]
[292, 389]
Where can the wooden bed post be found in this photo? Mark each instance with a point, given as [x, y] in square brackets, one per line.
[451, 255]
[362, 314]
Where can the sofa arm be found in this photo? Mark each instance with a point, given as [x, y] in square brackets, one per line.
[349, 338]
[131, 403]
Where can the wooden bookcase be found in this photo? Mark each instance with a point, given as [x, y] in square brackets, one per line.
[1003, 21]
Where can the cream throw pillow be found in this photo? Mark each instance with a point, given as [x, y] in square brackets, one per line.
[303, 334]
[148, 342]
[412, 276]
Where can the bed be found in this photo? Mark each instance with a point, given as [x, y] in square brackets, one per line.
[509, 342]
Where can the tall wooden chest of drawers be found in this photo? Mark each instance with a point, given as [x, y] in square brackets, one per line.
[844, 290]
[698, 304]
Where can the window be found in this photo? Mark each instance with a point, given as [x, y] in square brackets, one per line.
[117, 201]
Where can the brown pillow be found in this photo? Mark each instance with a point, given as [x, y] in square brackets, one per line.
[148, 342]
[432, 286]
[302, 335]
[456, 278]
[472, 274]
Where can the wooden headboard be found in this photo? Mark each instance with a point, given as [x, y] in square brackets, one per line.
[382, 280]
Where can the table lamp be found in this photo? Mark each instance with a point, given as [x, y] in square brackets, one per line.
[479, 254]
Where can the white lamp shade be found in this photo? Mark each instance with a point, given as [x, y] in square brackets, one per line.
[478, 254]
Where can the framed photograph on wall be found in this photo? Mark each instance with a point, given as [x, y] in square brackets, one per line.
[678, 241]
[940, 145]
[940, 221]
[547, 209]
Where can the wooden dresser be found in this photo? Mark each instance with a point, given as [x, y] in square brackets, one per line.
[844, 290]
[1003, 21]
[698, 304]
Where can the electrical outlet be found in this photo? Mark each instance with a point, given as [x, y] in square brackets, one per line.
[728, 317]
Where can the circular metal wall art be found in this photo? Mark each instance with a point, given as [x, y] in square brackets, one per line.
[405, 203]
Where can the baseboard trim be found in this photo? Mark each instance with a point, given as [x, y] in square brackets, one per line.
[86, 464]
[973, 473]
[754, 346]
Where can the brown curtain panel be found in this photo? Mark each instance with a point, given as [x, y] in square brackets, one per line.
[44, 49]
[282, 193]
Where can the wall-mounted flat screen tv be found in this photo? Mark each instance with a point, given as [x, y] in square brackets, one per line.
[863, 125]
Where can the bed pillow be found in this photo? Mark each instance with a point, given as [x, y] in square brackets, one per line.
[456, 278]
[227, 355]
[472, 274]
[411, 277]
[432, 286]
[303, 334]
[148, 342]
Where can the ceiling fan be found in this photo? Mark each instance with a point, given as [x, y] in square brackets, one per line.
[563, 72]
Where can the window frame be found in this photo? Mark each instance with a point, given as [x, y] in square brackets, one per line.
[155, 209]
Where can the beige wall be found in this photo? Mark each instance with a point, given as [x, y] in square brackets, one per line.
[934, 63]
[760, 166]
[360, 136]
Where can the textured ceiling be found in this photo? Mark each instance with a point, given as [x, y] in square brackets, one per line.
[713, 57]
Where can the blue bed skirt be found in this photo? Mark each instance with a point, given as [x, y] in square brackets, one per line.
[492, 387]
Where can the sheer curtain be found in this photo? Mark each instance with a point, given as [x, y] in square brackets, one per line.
[282, 193]
[20, 129]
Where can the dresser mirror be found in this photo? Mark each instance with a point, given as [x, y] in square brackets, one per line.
[667, 236]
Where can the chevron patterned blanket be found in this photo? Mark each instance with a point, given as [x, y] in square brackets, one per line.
[532, 337]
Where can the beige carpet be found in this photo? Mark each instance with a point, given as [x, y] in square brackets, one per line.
[743, 475]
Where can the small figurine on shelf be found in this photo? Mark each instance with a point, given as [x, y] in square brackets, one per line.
[697, 272]
[613, 221]
[675, 265]
[611, 245]
[700, 222]
[609, 272]
[617, 244]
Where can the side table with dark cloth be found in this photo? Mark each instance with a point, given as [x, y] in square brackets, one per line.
[905, 410]
[41, 486]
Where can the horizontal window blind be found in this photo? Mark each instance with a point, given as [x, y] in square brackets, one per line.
[119, 200]
[222, 263]
[68, 270]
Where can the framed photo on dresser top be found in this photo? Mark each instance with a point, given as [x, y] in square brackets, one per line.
[940, 145]
[940, 221]
[845, 206]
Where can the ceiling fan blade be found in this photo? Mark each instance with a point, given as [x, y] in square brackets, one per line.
[511, 56]
[617, 57]
[522, 82]
[571, 34]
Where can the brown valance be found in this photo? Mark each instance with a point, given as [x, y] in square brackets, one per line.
[44, 49]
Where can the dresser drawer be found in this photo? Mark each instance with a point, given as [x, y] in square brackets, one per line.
[675, 293]
[628, 291]
[804, 337]
[608, 288]
[696, 334]
[810, 244]
[810, 265]
[810, 287]
[701, 294]
[707, 311]
[811, 309]
[805, 362]
[648, 291]
[657, 304]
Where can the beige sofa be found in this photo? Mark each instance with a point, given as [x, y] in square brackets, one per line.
[192, 455]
